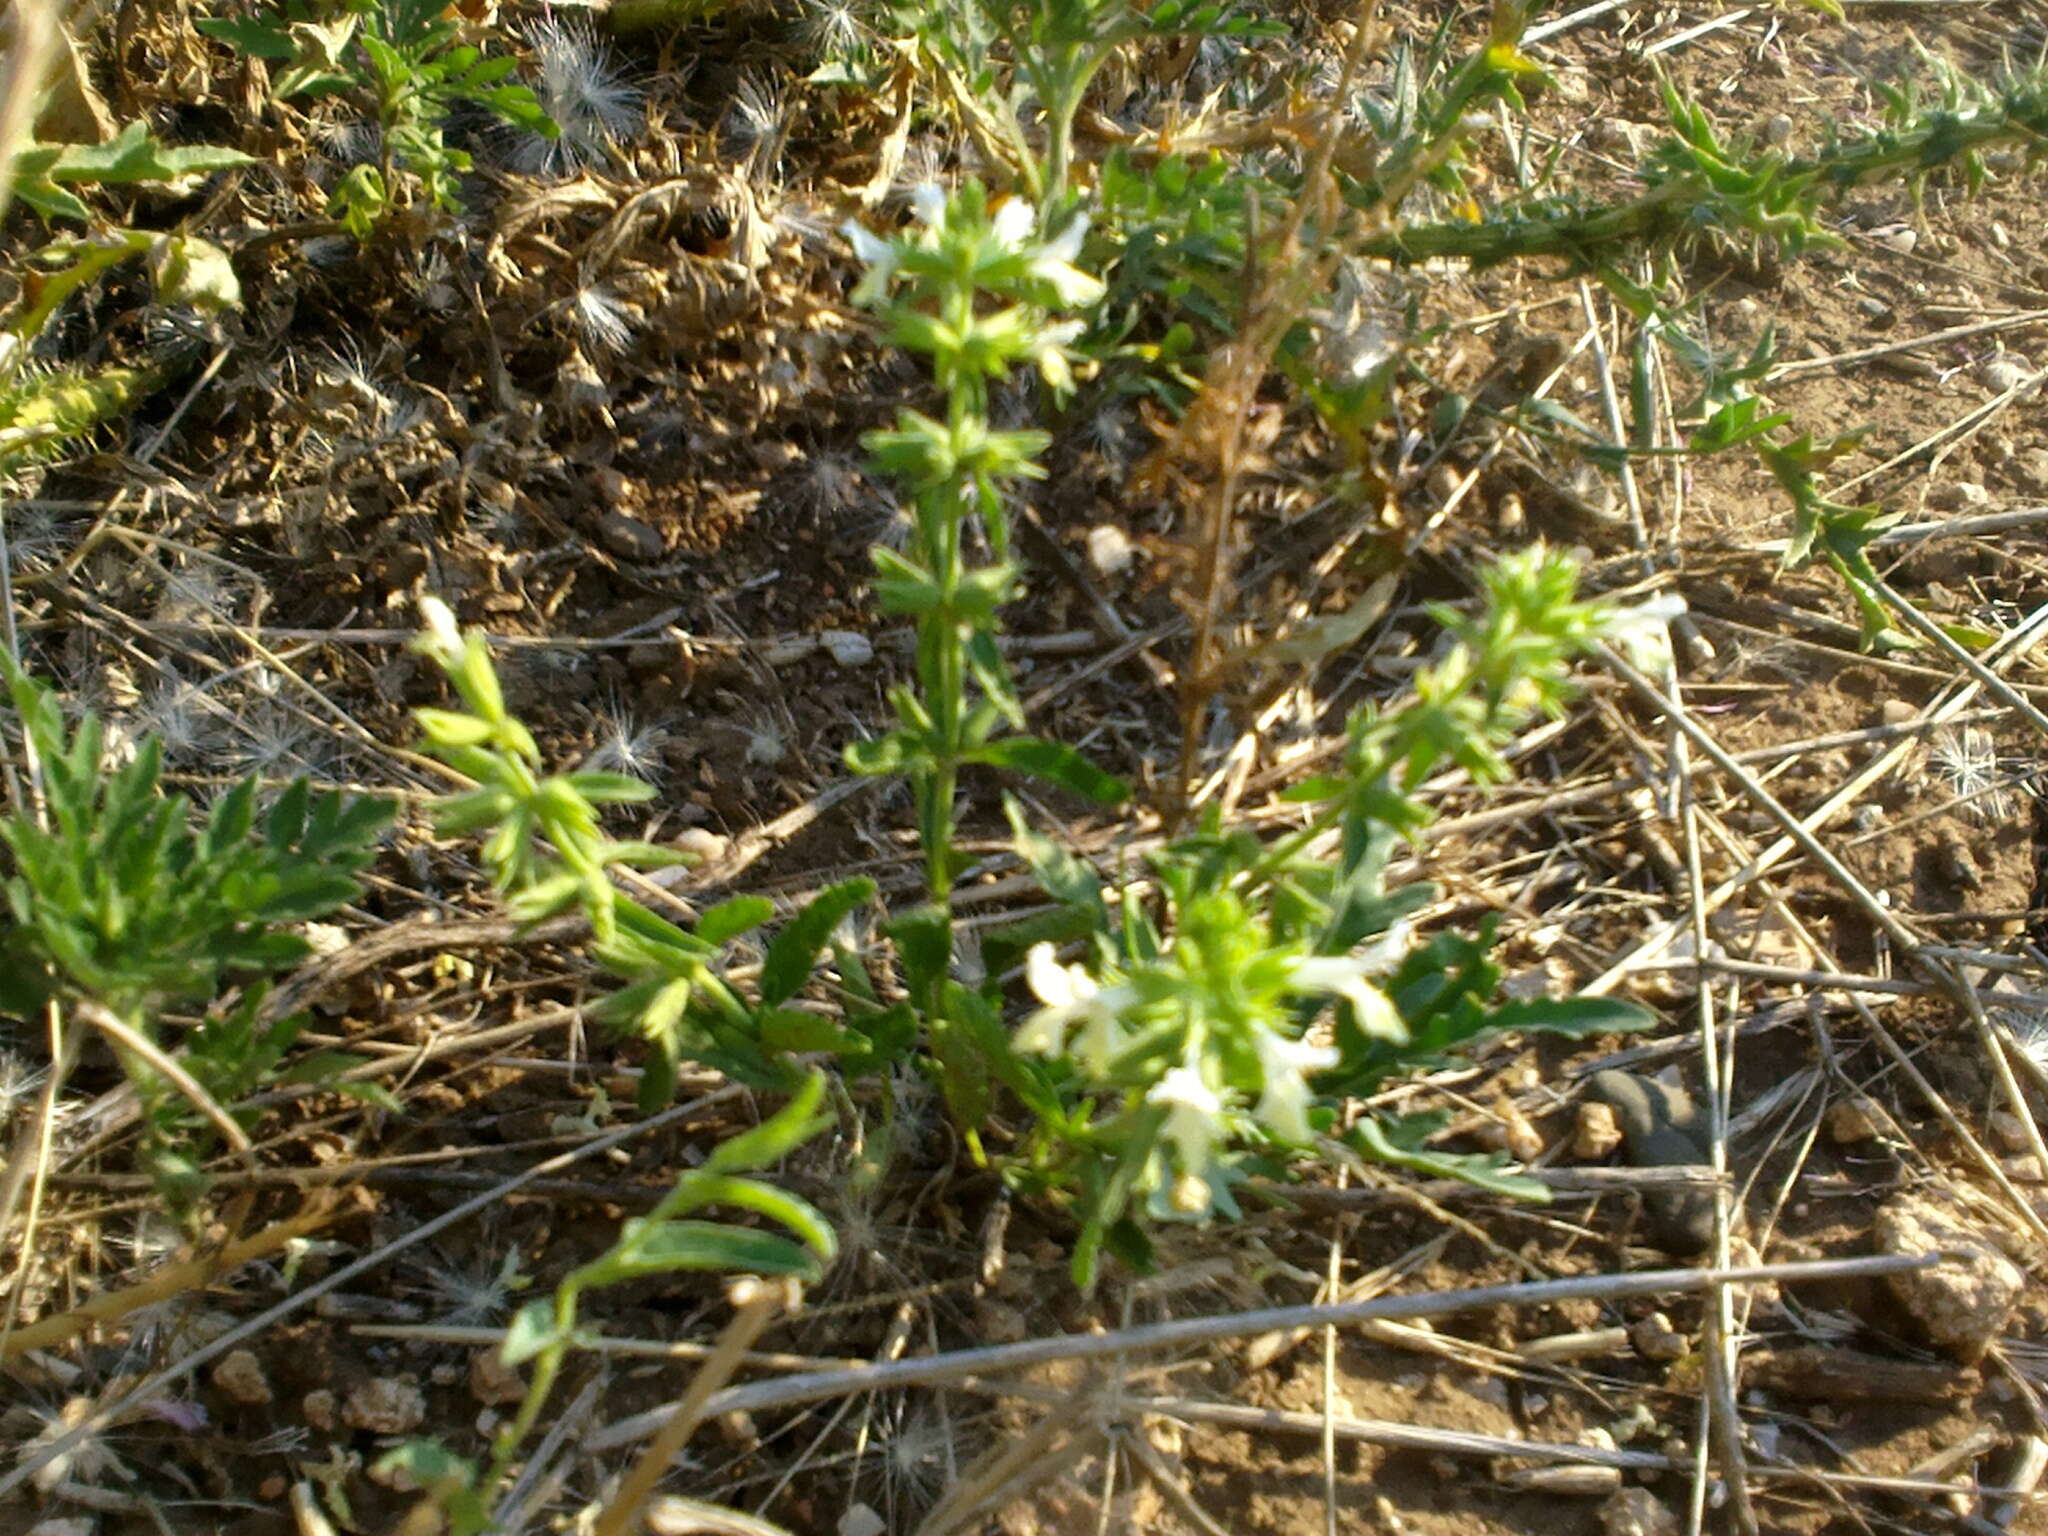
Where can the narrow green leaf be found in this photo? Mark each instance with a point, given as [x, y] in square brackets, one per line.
[787, 965]
[729, 919]
[1056, 763]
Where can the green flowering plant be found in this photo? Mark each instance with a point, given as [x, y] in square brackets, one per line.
[547, 852]
[1221, 1012]
[976, 289]
[524, 809]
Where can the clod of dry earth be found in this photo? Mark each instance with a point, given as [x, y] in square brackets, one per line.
[1962, 1305]
[1637, 1512]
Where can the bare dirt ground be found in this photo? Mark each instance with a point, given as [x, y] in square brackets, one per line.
[668, 536]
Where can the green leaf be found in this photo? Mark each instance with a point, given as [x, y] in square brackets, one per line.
[893, 753]
[776, 1137]
[1400, 1142]
[1056, 763]
[721, 924]
[787, 965]
[799, 1033]
[923, 938]
[427, 1465]
[196, 272]
[671, 1247]
[259, 37]
[986, 662]
[1063, 877]
[532, 1330]
[1572, 1017]
[609, 788]
[376, 1095]
[322, 1067]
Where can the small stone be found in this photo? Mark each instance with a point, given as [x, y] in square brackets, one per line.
[629, 538]
[1110, 549]
[1898, 712]
[1897, 237]
[1636, 1512]
[65, 1525]
[1569, 1480]
[1511, 1132]
[1777, 130]
[240, 1376]
[1857, 1118]
[491, 1381]
[1655, 1338]
[2008, 1132]
[318, 1407]
[1961, 1305]
[848, 648]
[1957, 496]
[703, 844]
[1595, 1133]
[2003, 371]
[387, 1405]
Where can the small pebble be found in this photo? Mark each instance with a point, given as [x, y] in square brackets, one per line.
[1637, 1512]
[1595, 1133]
[2003, 371]
[318, 1406]
[1110, 550]
[491, 1381]
[1855, 1119]
[629, 538]
[848, 648]
[387, 1405]
[240, 1376]
[2008, 1132]
[1656, 1339]
[1962, 1304]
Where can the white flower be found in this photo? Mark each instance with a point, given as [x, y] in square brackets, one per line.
[879, 256]
[443, 637]
[928, 202]
[1068, 245]
[1283, 1102]
[1192, 1108]
[1051, 352]
[1011, 226]
[1053, 263]
[1381, 954]
[1344, 976]
[1644, 632]
[1071, 996]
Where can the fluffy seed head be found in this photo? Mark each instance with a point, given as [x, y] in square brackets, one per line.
[581, 87]
[624, 745]
[1965, 759]
[603, 325]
